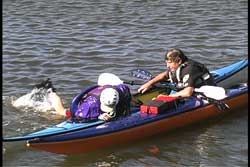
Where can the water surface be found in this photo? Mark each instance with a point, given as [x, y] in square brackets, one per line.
[73, 41]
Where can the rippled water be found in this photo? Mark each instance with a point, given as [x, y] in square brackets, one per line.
[73, 41]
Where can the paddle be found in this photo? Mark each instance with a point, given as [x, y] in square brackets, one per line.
[142, 74]
[112, 79]
[215, 92]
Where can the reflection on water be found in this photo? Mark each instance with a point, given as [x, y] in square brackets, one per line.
[73, 41]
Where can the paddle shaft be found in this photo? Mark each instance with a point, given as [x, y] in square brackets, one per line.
[132, 83]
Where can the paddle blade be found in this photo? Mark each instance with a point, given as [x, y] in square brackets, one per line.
[142, 74]
[108, 79]
[215, 92]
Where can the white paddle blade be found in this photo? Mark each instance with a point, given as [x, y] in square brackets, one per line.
[108, 79]
[215, 92]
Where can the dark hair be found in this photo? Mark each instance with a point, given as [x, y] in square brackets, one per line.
[176, 55]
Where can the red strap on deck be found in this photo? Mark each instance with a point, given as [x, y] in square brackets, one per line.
[166, 98]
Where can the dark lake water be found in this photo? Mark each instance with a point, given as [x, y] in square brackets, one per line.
[73, 41]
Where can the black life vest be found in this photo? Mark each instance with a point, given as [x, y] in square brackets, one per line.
[191, 70]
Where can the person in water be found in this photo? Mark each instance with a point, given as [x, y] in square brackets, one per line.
[104, 102]
[185, 73]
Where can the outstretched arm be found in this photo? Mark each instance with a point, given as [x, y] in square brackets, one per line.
[153, 81]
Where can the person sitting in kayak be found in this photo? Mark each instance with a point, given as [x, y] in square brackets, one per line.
[185, 73]
[104, 102]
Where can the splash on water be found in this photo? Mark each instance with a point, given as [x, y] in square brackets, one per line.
[36, 99]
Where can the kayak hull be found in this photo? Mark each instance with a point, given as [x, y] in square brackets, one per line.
[84, 145]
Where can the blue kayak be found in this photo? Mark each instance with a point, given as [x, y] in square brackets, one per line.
[139, 125]
[68, 130]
